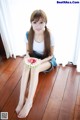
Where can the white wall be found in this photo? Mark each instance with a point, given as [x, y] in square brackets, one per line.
[62, 21]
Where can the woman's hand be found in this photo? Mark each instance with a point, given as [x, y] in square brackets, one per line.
[32, 62]
[27, 55]
[40, 61]
[46, 59]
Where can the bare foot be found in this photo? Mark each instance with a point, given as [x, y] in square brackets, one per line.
[18, 108]
[25, 110]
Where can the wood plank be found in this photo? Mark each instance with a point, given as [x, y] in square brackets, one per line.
[77, 105]
[54, 103]
[69, 99]
[12, 113]
[4, 64]
[9, 71]
[57, 96]
[77, 113]
[42, 98]
[7, 90]
[11, 102]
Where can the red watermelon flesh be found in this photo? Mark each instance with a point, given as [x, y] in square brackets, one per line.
[32, 60]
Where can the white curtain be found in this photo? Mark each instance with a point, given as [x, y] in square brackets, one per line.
[76, 58]
[5, 28]
[63, 21]
[12, 27]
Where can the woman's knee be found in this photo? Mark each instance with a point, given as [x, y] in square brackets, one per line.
[26, 67]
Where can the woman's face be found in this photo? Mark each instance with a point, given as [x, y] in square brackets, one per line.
[38, 26]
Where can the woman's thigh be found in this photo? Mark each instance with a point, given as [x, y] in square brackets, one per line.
[44, 66]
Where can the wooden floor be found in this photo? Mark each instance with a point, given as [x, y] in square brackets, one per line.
[57, 96]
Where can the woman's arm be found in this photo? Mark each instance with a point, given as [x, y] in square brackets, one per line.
[27, 53]
[50, 57]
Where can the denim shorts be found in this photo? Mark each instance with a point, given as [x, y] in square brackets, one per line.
[52, 61]
[53, 64]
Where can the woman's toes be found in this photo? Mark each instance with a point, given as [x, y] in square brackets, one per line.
[25, 110]
[19, 107]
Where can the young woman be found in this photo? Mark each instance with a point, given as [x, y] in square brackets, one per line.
[39, 44]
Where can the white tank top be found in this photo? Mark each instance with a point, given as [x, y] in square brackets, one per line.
[39, 46]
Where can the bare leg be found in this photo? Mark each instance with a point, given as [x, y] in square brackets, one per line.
[32, 88]
[24, 81]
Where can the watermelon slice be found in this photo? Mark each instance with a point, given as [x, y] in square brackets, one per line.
[32, 60]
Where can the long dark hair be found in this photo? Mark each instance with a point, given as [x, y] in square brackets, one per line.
[36, 15]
